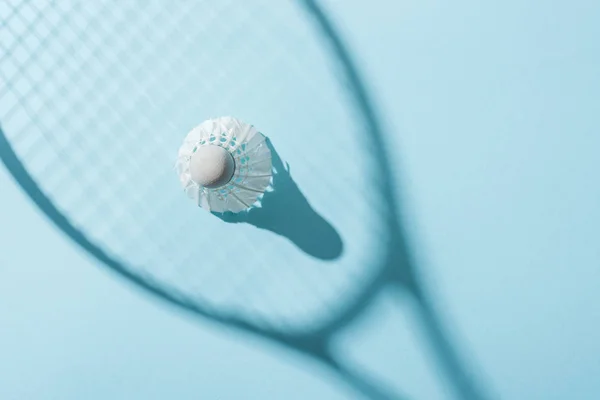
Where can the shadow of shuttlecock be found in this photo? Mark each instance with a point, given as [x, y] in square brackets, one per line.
[286, 212]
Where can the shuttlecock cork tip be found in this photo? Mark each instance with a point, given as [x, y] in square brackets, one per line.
[211, 166]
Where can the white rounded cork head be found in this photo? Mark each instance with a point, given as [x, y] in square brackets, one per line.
[211, 166]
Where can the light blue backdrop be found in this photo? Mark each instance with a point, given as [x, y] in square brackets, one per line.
[494, 110]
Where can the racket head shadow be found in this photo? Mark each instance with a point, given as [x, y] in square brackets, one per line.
[97, 100]
[46, 106]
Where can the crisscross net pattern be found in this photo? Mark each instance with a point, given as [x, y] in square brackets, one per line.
[97, 96]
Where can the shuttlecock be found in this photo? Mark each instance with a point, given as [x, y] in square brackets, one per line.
[224, 165]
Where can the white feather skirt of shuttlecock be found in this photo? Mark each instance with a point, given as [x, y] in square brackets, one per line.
[253, 169]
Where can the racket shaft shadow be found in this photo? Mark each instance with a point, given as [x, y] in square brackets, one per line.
[460, 378]
[365, 385]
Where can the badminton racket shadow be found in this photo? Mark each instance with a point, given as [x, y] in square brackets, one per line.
[397, 267]
[286, 212]
[400, 269]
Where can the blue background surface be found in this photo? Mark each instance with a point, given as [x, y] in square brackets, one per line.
[493, 115]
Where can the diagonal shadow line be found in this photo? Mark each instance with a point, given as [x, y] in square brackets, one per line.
[400, 266]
